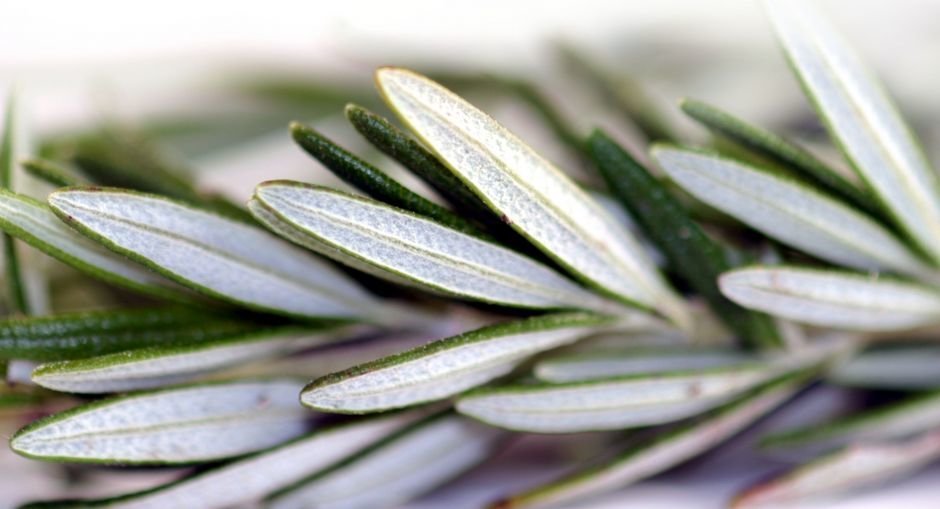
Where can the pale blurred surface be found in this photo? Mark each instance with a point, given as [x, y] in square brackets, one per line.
[71, 60]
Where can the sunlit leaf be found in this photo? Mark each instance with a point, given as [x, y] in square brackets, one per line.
[446, 367]
[833, 299]
[180, 425]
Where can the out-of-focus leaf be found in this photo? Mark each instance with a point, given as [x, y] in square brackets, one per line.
[897, 420]
[374, 182]
[251, 479]
[832, 299]
[88, 334]
[32, 222]
[900, 367]
[15, 285]
[781, 151]
[399, 468]
[621, 91]
[649, 457]
[57, 174]
[861, 118]
[607, 363]
[212, 254]
[849, 469]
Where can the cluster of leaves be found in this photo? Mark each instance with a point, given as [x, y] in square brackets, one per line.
[539, 255]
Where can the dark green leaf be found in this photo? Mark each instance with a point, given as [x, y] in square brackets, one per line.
[79, 335]
[373, 181]
[57, 174]
[622, 92]
[691, 252]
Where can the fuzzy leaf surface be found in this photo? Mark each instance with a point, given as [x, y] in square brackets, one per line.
[789, 212]
[401, 467]
[528, 192]
[212, 254]
[832, 298]
[181, 425]
[403, 247]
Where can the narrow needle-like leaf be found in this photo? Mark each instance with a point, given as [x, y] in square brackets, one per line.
[833, 299]
[398, 468]
[218, 256]
[848, 469]
[651, 457]
[16, 288]
[897, 420]
[251, 479]
[402, 247]
[790, 212]
[607, 363]
[530, 193]
[88, 334]
[180, 425]
[158, 366]
[32, 222]
[402, 148]
[447, 367]
[691, 252]
[781, 151]
[615, 403]
[862, 120]
[373, 181]
[57, 174]
[897, 367]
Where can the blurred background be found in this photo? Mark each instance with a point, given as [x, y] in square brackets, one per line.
[214, 84]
